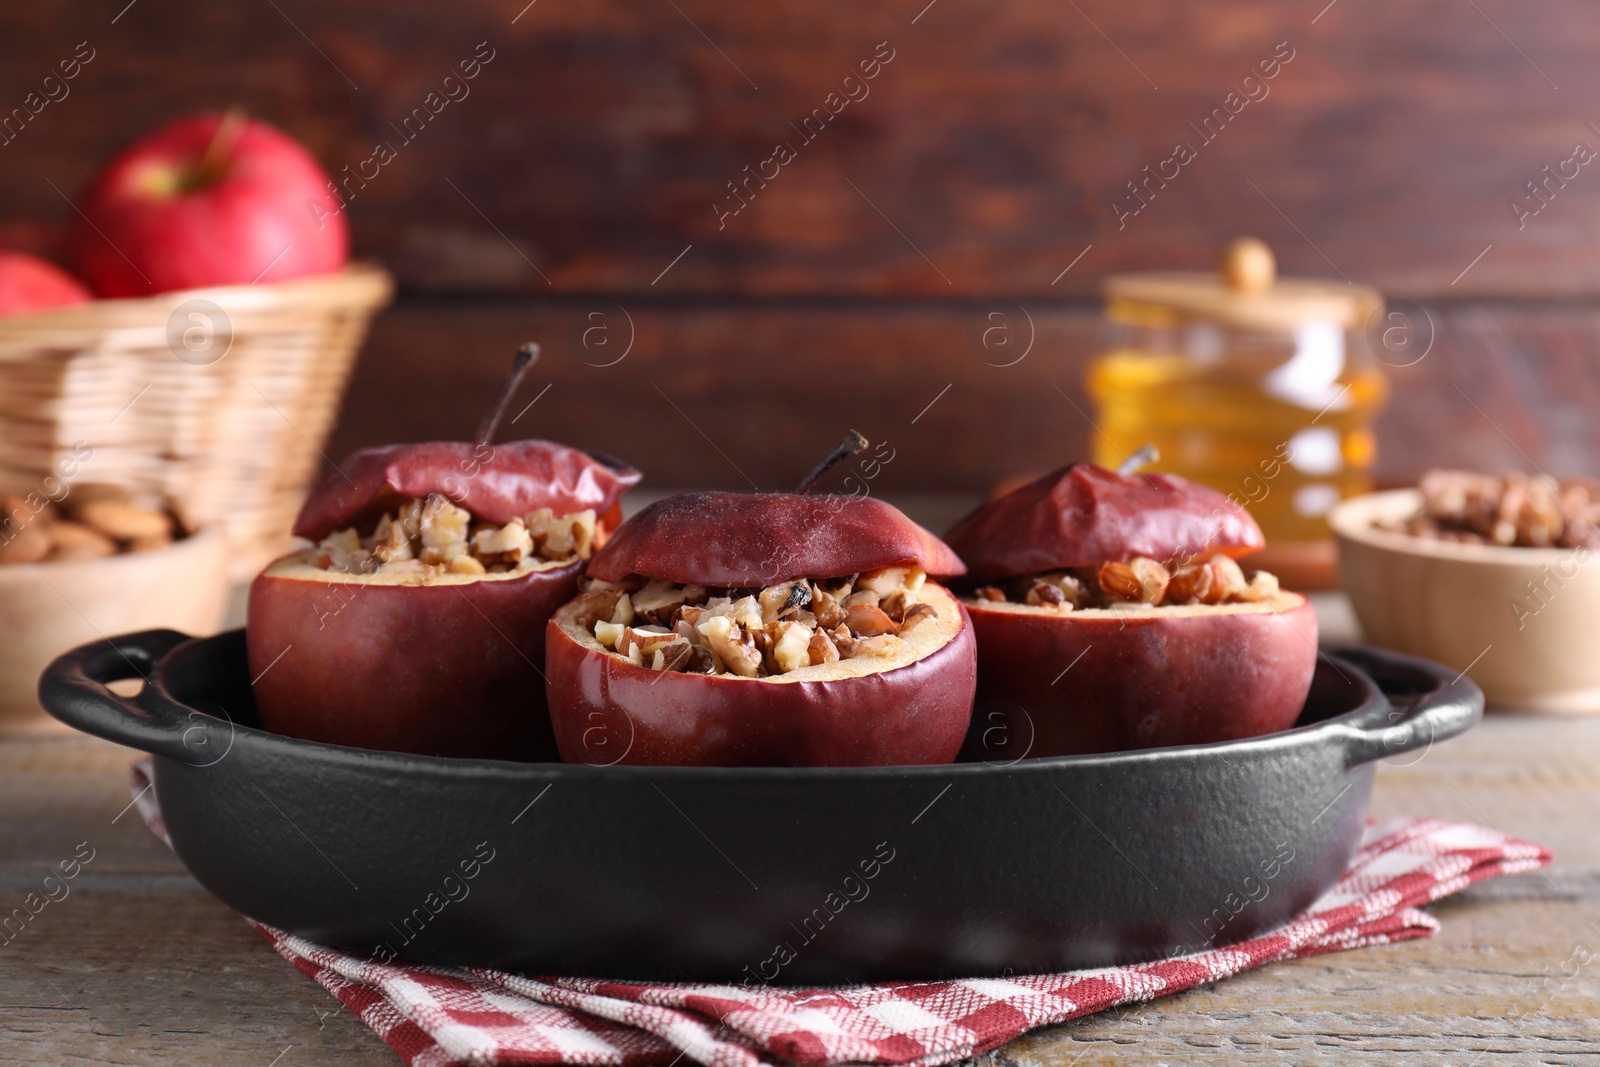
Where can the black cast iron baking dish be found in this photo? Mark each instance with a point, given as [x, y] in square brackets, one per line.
[814, 875]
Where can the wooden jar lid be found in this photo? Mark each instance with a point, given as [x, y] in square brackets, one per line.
[1244, 292]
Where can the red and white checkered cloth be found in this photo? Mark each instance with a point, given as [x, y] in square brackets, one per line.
[438, 1016]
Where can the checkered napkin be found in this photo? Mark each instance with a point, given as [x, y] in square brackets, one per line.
[438, 1016]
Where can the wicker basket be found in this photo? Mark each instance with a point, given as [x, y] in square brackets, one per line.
[224, 414]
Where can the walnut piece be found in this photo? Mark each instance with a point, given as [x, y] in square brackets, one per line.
[1136, 582]
[1513, 510]
[433, 536]
[1139, 579]
[752, 634]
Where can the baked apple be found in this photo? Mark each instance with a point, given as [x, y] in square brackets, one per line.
[415, 622]
[764, 629]
[1111, 614]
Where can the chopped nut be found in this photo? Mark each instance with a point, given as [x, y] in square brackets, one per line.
[896, 604]
[559, 537]
[443, 524]
[342, 551]
[792, 650]
[1140, 579]
[700, 660]
[869, 620]
[1513, 510]
[762, 633]
[658, 593]
[1263, 586]
[1227, 574]
[609, 634]
[827, 610]
[646, 638]
[443, 554]
[820, 649]
[886, 580]
[1044, 594]
[992, 592]
[918, 614]
[659, 600]
[838, 588]
[390, 542]
[784, 599]
[1192, 584]
[623, 612]
[507, 545]
[733, 644]
[596, 604]
[439, 534]
[585, 537]
[670, 656]
[745, 612]
[1139, 583]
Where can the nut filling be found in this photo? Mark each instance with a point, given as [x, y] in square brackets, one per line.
[1514, 510]
[755, 633]
[431, 537]
[1136, 583]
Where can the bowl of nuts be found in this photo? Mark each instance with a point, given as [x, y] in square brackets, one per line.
[1495, 576]
[88, 562]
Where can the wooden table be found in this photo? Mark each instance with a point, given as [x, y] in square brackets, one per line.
[140, 965]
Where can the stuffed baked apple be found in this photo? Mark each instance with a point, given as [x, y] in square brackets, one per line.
[764, 629]
[1111, 614]
[415, 622]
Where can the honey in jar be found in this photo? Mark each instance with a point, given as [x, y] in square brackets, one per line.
[1260, 387]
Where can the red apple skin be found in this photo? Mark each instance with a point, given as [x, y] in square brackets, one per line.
[408, 668]
[607, 711]
[268, 216]
[497, 483]
[28, 283]
[755, 539]
[1085, 515]
[1142, 681]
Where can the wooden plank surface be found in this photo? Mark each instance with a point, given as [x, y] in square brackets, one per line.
[601, 138]
[734, 393]
[140, 965]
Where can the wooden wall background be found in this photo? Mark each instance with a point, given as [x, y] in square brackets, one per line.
[569, 197]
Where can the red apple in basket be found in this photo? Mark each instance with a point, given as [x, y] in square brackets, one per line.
[764, 629]
[28, 283]
[416, 623]
[1110, 615]
[213, 199]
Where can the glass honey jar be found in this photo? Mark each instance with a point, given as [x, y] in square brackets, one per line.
[1261, 387]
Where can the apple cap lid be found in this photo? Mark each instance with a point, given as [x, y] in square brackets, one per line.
[1084, 515]
[747, 540]
[496, 483]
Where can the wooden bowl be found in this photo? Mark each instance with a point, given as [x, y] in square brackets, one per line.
[1519, 621]
[54, 607]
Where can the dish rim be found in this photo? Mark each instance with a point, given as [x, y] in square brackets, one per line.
[1370, 708]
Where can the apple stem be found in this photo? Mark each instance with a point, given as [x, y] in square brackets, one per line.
[220, 150]
[852, 445]
[525, 357]
[1146, 455]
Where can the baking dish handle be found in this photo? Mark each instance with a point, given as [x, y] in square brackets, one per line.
[1428, 703]
[73, 689]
